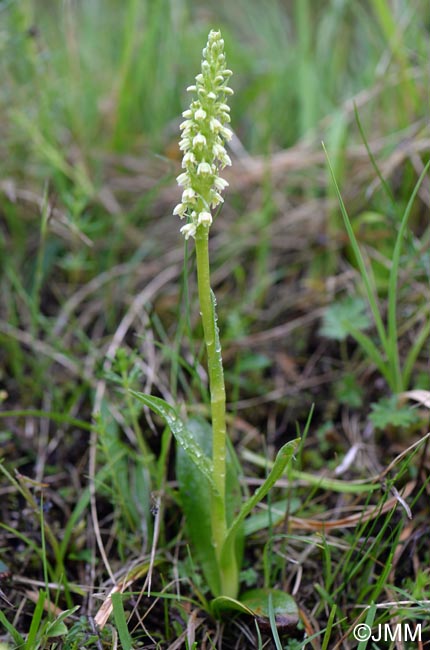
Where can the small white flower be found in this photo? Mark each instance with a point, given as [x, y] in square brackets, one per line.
[218, 150]
[188, 159]
[205, 219]
[183, 179]
[215, 125]
[216, 199]
[188, 113]
[191, 89]
[180, 210]
[226, 133]
[189, 230]
[220, 183]
[199, 140]
[225, 160]
[188, 195]
[220, 153]
[200, 114]
[185, 144]
[204, 169]
[211, 96]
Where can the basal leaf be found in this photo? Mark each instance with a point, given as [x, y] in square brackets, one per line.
[184, 437]
[263, 602]
[224, 605]
[196, 499]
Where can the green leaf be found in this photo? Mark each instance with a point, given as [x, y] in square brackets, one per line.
[56, 628]
[364, 272]
[388, 413]
[343, 315]
[373, 354]
[121, 622]
[196, 499]
[17, 638]
[225, 605]
[274, 624]
[263, 602]
[282, 459]
[184, 437]
[35, 621]
[393, 349]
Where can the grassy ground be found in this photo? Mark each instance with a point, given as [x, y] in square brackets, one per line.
[95, 293]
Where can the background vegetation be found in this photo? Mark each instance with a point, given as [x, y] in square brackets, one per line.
[95, 296]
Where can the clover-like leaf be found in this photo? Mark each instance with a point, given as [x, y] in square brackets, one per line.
[343, 316]
[388, 413]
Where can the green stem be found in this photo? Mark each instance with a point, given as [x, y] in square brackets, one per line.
[217, 388]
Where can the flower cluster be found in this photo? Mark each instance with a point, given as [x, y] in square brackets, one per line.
[204, 133]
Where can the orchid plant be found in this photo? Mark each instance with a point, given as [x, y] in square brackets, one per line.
[206, 467]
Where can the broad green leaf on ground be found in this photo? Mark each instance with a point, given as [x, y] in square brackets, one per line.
[196, 500]
[224, 605]
[283, 606]
[343, 316]
[256, 602]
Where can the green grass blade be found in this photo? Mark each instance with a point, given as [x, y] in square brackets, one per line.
[329, 628]
[414, 352]
[372, 159]
[373, 353]
[323, 482]
[35, 622]
[392, 351]
[371, 296]
[370, 617]
[17, 638]
[382, 581]
[120, 622]
[307, 78]
[259, 639]
[51, 415]
[273, 626]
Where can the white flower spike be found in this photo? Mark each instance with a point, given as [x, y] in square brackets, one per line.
[204, 133]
